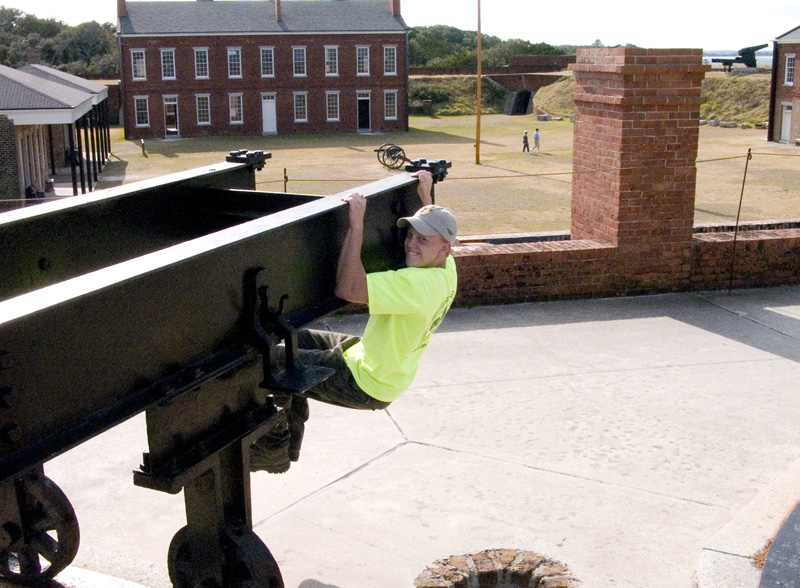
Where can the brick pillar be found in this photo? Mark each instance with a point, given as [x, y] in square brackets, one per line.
[637, 117]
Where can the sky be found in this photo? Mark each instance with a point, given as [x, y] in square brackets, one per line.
[729, 24]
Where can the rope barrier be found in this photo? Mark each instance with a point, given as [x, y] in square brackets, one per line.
[515, 175]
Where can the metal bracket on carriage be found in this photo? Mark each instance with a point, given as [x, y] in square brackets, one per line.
[437, 167]
[254, 158]
[271, 328]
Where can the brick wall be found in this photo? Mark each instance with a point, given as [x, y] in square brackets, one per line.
[9, 167]
[785, 94]
[634, 152]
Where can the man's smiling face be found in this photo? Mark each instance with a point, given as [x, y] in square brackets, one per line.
[425, 250]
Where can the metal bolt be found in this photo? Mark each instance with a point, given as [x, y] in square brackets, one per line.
[10, 533]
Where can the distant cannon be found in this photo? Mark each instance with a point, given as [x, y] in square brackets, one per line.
[155, 297]
[746, 56]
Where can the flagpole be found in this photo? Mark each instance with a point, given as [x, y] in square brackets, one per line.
[478, 109]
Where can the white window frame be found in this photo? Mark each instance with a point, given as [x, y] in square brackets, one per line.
[166, 56]
[137, 64]
[362, 60]
[389, 98]
[235, 64]
[137, 100]
[297, 51]
[300, 103]
[390, 63]
[198, 64]
[332, 101]
[788, 78]
[236, 101]
[268, 66]
[198, 110]
[331, 60]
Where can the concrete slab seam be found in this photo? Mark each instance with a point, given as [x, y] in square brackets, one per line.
[567, 475]
[329, 485]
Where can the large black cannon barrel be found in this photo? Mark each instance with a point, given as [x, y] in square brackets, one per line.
[105, 296]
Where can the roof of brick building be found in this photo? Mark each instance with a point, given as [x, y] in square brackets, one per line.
[792, 36]
[258, 16]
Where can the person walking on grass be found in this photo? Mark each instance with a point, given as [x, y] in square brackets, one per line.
[536, 140]
[525, 145]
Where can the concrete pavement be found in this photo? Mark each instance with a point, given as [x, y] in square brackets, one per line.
[644, 442]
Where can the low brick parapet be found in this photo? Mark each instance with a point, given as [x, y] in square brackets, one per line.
[767, 254]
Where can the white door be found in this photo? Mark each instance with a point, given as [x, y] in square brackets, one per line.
[786, 124]
[268, 114]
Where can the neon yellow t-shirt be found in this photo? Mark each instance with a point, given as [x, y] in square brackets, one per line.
[405, 306]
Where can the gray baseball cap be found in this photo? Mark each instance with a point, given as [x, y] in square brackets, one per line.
[432, 220]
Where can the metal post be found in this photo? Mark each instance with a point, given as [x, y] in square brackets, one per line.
[480, 101]
[736, 229]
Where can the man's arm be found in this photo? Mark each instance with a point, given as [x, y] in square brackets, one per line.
[424, 186]
[351, 277]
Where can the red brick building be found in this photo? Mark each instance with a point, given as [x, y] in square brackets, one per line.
[784, 112]
[248, 67]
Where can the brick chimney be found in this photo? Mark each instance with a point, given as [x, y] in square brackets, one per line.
[395, 4]
[278, 10]
[122, 8]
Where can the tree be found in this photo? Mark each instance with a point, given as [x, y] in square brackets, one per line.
[87, 50]
[444, 46]
[8, 17]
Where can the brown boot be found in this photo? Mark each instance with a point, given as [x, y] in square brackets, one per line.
[270, 453]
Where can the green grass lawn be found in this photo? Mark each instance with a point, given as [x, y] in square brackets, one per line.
[509, 192]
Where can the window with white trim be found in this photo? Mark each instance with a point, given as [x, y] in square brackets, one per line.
[138, 68]
[331, 60]
[390, 104]
[203, 104]
[362, 60]
[234, 62]
[236, 109]
[332, 106]
[299, 61]
[168, 64]
[301, 107]
[142, 108]
[390, 60]
[267, 62]
[789, 79]
[201, 63]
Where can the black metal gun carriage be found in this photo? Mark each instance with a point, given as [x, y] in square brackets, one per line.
[166, 296]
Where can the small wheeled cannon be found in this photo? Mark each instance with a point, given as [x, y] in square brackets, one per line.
[393, 157]
[168, 297]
